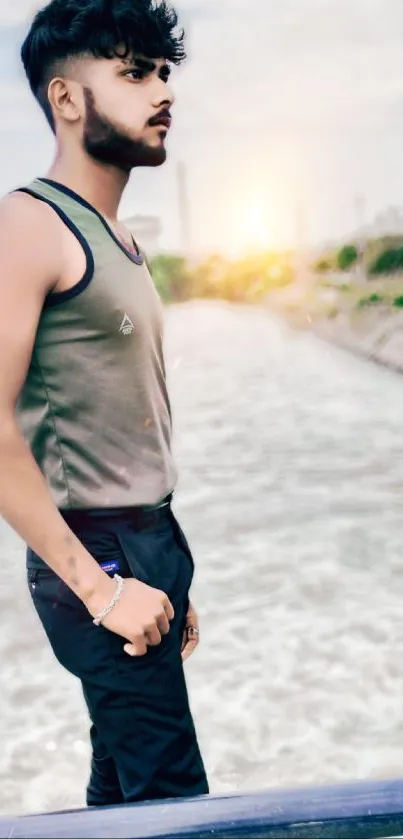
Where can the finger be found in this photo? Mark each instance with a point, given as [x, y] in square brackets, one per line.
[153, 636]
[192, 616]
[185, 640]
[136, 650]
[191, 640]
[163, 624]
[168, 608]
[189, 649]
[193, 632]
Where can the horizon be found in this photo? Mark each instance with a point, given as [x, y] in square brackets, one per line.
[289, 138]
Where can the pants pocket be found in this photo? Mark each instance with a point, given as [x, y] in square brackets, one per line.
[129, 552]
[47, 592]
[182, 541]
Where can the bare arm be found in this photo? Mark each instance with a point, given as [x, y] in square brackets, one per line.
[30, 265]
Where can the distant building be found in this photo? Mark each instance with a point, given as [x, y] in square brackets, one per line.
[146, 231]
[389, 222]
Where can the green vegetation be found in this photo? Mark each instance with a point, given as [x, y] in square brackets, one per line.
[336, 289]
[171, 277]
[382, 257]
[387, 262]
[372, 300]
[347, 257]
[340, 260]
[323, 266]
[246, 280]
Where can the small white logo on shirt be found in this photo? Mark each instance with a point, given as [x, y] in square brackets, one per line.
[127, 326]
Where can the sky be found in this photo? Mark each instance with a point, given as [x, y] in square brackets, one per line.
[286, 112]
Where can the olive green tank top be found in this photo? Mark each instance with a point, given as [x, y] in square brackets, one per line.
[94, 408]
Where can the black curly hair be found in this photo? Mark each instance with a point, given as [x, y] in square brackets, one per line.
[65, 29]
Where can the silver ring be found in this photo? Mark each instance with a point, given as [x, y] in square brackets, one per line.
[193, 630]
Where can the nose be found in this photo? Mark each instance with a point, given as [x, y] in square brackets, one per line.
[164, 97]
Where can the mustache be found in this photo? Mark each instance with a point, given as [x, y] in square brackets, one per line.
[165, 114]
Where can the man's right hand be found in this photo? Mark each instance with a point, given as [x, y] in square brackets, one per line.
[141, 616]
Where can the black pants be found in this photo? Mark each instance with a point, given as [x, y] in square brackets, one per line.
[143, 737]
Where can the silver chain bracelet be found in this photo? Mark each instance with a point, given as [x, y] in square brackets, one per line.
[120, 584]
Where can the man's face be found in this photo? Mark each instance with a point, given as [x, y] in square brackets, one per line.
[127, 104]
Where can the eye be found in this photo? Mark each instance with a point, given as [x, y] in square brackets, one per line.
[136, 74]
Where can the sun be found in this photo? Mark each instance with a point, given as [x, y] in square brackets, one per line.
[251, 231]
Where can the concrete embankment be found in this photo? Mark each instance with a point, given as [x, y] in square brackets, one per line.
[376, 335]
[367, 321]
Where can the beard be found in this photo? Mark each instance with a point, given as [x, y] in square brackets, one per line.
[108, 144]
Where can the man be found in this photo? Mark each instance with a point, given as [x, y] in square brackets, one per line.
[86, 470]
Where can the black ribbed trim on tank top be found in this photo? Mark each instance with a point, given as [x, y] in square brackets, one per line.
[138, 260]
[57, 297]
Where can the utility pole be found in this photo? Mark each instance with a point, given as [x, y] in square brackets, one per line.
[300, 244]
[184, 208]
[360, 208]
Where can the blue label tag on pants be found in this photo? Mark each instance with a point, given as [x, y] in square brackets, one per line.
[111, 567]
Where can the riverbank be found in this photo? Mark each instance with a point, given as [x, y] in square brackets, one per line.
[291, 468]
[365, 318]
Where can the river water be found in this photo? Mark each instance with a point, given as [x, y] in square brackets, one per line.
[291, 493]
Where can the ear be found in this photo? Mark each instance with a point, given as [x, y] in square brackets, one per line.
[66, 99]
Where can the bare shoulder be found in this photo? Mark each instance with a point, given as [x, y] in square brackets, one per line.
[16, 203]
[29, 240]
[29, 267]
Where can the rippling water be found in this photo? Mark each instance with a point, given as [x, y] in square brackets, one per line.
[291, 459]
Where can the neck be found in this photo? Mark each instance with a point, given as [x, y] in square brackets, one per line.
[99, 184]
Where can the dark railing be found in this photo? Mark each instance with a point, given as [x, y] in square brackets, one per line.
[369, 810]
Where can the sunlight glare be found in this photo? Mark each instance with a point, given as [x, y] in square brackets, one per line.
[252, 228]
